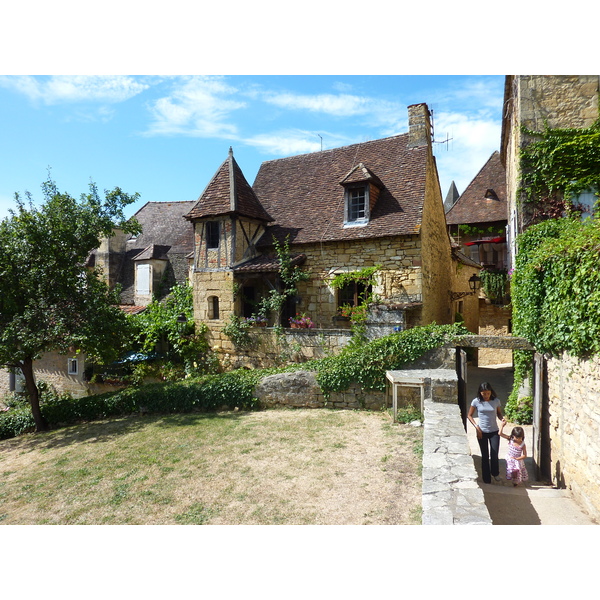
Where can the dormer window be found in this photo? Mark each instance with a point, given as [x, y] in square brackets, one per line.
[357, 204]
[212, 234]
[357, 210]
[361, 190]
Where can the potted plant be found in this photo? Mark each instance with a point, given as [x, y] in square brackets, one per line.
[257, 321]
[301, 321]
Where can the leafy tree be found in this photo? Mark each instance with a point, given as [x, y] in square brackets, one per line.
[170, 322]
[50, 300]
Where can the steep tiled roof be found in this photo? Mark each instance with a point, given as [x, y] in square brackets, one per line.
[163, 224]
[484, 200]
[228, 192]
[305, 197]
[166, 235]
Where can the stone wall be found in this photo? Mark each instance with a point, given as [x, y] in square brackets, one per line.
[436, 254]
[398, 281]
[574, 415]
[494, 321]
[273, 347]
[52, 369]
[301, 390]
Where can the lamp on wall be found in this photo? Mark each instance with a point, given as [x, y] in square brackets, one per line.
[474, 284]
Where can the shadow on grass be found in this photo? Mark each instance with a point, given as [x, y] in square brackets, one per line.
[107, 430]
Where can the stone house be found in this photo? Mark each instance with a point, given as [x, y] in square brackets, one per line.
[149, 264]
[536, 102]
[477, 222]
[566, 414]
[340, 210]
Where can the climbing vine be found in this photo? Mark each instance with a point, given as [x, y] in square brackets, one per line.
[357, 313]
[555, 285]
[290, 275]
[493, 283]
[557, 166]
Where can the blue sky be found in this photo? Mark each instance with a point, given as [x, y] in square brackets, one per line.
[165, 136]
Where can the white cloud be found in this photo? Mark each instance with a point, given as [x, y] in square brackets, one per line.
[344, 105]
[473, 139]
[285, 143]
[197, 107]
[77, 88]
[379, 112]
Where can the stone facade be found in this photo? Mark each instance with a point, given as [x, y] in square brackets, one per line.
[494, 320]
[537, 102]
[64, 373]
[400, 283]
[574, 427]
[557, 101]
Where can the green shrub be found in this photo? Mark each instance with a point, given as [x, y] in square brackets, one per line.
[519, 410]
[367, 364]
[15, 422]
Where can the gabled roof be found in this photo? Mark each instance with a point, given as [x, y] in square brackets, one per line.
[361, 174]
[484, 200]
[304, 196]
[228, 192]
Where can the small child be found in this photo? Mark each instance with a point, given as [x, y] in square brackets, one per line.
[515, 455]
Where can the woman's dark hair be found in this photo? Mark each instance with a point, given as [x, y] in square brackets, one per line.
[484, 387]
[517, 432]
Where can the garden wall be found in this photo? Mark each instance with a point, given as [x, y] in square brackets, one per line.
[574, 424]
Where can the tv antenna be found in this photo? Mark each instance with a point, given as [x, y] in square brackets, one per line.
[446, 141]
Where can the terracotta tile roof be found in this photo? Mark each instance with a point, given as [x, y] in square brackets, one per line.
[484, 200]
[305, 196]
[228, 192]
[132, 310]
[266, 264]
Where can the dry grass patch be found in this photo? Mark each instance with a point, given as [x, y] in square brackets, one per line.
[271, 467]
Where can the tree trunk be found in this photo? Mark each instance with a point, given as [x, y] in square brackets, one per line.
[34, 396]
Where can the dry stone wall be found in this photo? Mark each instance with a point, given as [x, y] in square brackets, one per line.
[574, 414]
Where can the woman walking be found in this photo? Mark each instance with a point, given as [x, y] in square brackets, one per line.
[488, 411]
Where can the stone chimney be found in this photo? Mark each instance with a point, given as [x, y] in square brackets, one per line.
[419, 126]
[110, 254]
